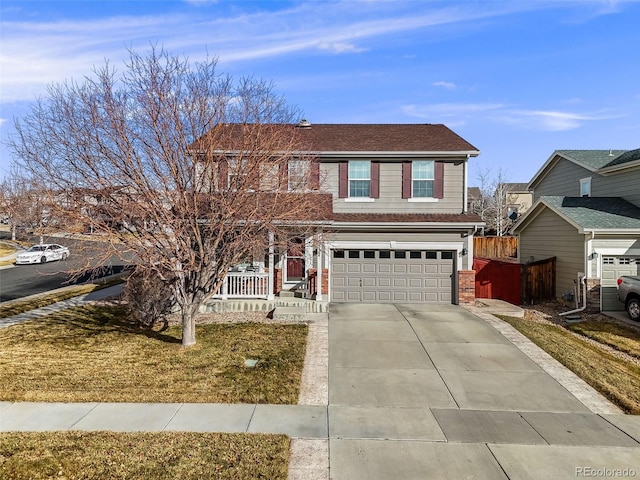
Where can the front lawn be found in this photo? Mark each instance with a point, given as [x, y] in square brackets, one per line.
[91, 354]
[616, 378]
[158, 456]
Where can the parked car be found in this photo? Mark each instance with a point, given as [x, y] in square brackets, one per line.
[629, 294]
[45, 252]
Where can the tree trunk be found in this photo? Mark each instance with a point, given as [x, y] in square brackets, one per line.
[188, 326]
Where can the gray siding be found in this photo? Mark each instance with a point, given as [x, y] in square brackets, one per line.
[391, 200]
[550, 236]
[564, 179]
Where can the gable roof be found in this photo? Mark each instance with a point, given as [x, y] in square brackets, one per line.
[588, 213]
[384, 138]
[593, 160]
[342, 138]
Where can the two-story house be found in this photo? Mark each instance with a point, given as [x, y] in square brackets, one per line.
[586, 213]
[398, 229]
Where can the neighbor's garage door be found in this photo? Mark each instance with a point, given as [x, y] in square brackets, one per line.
[612, 269]
[392, 276]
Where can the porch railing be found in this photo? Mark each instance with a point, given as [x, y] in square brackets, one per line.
[244, 285]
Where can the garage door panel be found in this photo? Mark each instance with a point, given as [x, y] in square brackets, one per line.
[384, 296]
[400, 268]
[612, 269]
[400, 282]
[416, 277]
[399, 296]
[369, 296]
[368, 281]
[413, 268]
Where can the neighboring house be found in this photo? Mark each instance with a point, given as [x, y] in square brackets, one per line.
[397, 229]
[586, 212]
[517, 198]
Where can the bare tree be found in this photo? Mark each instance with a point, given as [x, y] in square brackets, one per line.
[172, 162]
[495, 201]
[25, 206]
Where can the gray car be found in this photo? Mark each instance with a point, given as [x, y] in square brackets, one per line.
[629, 294]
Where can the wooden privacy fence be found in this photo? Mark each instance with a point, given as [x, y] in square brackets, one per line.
[495, 247]
[539, 281]
[515, 283]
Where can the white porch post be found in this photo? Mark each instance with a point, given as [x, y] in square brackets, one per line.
[270, 286]
[319, 270]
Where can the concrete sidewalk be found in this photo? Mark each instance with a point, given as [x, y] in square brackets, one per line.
[410, 392]
[56, 307]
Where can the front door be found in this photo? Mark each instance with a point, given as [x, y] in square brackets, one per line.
[295, 267]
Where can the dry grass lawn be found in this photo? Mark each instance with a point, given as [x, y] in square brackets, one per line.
[616, 378]
[620, 337]
[92, 353]
[15, 307]
[158, 456]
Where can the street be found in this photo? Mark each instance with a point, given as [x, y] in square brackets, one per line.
[23, 280]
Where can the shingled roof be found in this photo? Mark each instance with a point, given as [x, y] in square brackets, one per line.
[596, 213]
[335, 137]
[383, 138]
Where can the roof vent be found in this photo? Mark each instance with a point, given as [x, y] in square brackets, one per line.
[611, 153]
[304, 123]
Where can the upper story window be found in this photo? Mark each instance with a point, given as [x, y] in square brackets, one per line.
[298, 174]
[359, 178]
[585, 187]
[422, 179]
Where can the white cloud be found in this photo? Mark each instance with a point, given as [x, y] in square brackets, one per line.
[555, 121]
[340, 47]
[445, 85]
[542, 120]
[35, 54]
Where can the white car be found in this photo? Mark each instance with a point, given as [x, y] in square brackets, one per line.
[43, 253]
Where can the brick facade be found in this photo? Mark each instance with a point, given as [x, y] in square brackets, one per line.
[325, 280]
[466, 286]
[593, 295]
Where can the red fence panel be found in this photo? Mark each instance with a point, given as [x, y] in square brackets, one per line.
[496, 279]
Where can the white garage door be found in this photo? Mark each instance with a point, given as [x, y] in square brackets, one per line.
[612, 269]
[392, 276]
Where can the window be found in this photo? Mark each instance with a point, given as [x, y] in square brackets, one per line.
[384, 254]
[369, 254]
[585, 187]
[298, 174]
[237, 174]
[400, 254]
[446, 255]
[423, 177]
[354, 253]
[338, 254]
[359, 178]
[415, 254]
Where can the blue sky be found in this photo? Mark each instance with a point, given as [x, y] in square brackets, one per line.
[516, 79]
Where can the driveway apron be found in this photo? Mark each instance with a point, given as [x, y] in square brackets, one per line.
[433, 391]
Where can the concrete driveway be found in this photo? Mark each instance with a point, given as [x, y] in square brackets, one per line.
[434, 391]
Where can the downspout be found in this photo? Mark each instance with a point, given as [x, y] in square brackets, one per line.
[583, 280]
[465, 180]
